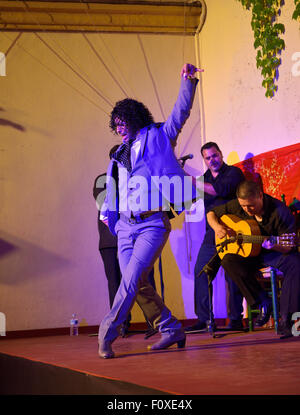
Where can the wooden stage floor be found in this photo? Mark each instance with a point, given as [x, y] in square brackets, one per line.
[233, 363]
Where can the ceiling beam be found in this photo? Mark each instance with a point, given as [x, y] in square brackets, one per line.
[169, 17]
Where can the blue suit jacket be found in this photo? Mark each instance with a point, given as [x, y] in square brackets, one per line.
[157, 150]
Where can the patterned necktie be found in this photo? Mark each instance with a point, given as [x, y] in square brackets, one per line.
[122, 155]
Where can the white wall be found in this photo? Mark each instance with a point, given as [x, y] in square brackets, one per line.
[237, 113]
[55, 140]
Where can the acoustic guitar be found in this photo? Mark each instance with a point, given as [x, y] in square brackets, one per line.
[245, 239]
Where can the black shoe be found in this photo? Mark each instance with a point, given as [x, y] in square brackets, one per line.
[265, 313]
[150, 332]
[200, 325]
[124, 330]
[285, 329]
[235, 325]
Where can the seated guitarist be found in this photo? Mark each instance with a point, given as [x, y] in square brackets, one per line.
[273, 218]
[220, 184]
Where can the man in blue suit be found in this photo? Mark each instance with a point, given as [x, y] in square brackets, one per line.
[137, 209]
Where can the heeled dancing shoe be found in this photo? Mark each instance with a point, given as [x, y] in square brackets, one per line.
[285, 328]
[150, 332]
[124, 330]
[105, 351]
[195, 328]
[265, 313]
[168, 339]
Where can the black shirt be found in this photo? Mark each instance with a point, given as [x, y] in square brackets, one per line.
[106, 238]
[276, 220]
[225, 185]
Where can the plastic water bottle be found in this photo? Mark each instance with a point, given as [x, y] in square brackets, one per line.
[74, 325]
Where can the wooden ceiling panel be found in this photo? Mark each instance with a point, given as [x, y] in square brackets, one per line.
[98, 16]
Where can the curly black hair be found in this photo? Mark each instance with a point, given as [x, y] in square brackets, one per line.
[134, 113]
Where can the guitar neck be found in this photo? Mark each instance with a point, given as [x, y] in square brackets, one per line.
[255, 239]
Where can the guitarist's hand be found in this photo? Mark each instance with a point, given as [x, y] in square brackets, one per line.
[220, 231]
[267, 244]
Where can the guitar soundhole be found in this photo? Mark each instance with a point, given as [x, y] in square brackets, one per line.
[239, 238]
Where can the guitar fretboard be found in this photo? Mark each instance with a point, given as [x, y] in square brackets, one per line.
[258, 239]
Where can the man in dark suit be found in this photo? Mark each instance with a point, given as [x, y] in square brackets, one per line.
[108, 248]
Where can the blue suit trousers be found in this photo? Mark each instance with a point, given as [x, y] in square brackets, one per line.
[139, 246]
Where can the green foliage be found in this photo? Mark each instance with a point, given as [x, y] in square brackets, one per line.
[267, 38]
[296, 14]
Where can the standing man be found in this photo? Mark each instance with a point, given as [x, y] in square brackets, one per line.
[272, 218]
[220, 183]
[108, 248]
[147, 153]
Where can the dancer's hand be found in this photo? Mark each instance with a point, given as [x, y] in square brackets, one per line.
[189, 71]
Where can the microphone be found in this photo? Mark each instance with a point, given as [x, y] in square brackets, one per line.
[231, 239]
[227, 241]
[187, 157]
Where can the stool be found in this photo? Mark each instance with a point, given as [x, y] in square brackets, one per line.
[274, 277]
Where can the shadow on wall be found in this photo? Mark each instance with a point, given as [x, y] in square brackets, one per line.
[12, 124]
[250, 171]
[21, 260]
[248, 166]
[24, 126]
[6, 248]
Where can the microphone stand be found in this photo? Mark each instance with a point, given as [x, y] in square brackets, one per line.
[208, 270]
